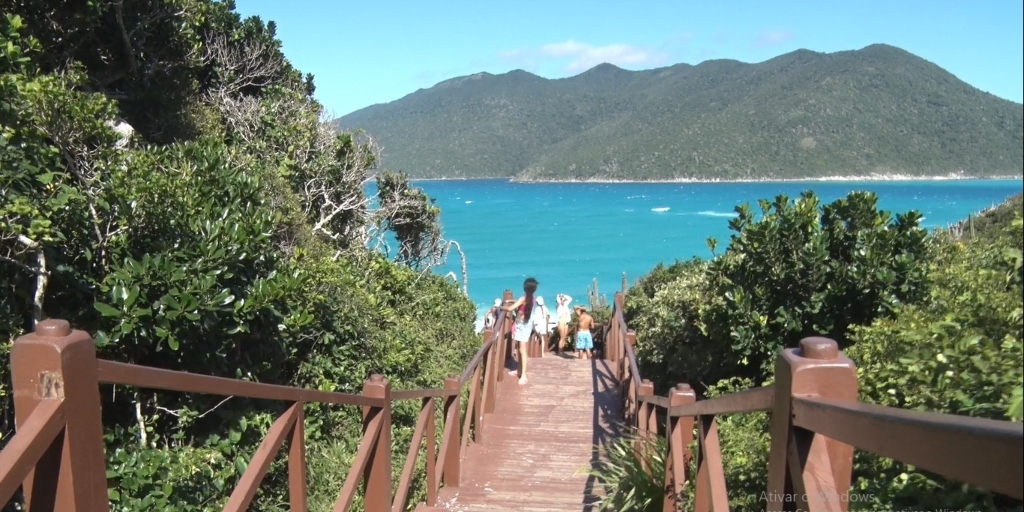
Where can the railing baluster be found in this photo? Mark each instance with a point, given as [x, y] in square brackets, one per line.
[426, 417]
[491, 370]
[431, 455]
[643, 424]
[371, 434]
[249, 483]
[34, 438]
[452, 457]
[471, 408]
[809, 461]
[712, 479]
[297, 480]
[679, 431]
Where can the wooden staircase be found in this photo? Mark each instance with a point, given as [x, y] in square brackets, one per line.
[541, 442]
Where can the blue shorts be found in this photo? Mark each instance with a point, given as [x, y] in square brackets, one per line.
[584, 341]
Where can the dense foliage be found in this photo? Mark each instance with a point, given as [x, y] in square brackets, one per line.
[795, 269]
[170, 186]
[877, 110]
[933, 323]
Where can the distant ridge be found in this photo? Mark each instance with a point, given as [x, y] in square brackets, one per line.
[879, 110]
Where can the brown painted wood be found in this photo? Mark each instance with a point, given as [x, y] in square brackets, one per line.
[978, 451]
[24, 450]
[751, 400]
[57, 363]
[113, 372]
[541, 441]
[249, 483]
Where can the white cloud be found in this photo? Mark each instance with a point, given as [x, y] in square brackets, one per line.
[585, 56]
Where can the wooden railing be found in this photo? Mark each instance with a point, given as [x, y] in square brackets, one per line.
[816, 423]
[57, 455]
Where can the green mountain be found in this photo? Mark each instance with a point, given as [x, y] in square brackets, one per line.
[878, 110]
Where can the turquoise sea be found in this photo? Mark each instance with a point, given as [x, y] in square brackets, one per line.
[567, 234]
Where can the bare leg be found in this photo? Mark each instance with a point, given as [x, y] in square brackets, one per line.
[563, 333]
[523, 347]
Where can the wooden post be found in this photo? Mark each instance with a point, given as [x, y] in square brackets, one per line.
[679, 433]
[452, 412]
[625, 283]
[620, 351]
[507, 346]
[643, 423]
[493, 367]
[628, 389]
[57, 363]
[377, 475]
[807, 470]
[297, 478]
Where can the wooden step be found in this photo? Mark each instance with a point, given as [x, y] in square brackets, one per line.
[540, 444]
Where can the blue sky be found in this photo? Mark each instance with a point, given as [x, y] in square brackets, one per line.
[368, 52]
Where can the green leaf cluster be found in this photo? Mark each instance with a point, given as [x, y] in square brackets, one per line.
[932, 322]
[225, 232]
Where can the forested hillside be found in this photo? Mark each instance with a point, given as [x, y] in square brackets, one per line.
[168, 184]
[878, 110]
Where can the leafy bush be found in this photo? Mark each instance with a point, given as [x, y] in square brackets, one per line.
[797, 270]
[671, 345]
[224, 233]
[932, 323]
[629, 487]
[958, 352]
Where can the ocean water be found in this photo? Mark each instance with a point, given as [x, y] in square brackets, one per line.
[567, 234]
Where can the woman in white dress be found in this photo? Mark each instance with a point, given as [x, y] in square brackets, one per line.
[564, 315]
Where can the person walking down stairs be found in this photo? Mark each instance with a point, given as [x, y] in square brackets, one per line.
[523, 327]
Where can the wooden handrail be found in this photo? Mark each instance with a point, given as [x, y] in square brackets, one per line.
[750, 400]
[112, 372]
[817, 421]
[656, 400]
[994, 458]
[412, 394]
[36, 363]
[634, 369]
[479, 356]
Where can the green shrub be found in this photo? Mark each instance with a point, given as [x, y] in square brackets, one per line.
[628, 487]
[958, 352]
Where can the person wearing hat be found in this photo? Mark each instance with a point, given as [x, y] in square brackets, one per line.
[492, 314]
[541, 316]
[564, 316]
[584, 340]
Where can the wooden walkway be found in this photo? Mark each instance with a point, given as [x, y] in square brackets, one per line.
[541, 442]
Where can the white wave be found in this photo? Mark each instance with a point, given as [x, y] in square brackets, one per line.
[710, 213]
[636, 197]
[628, 209]
[469, 202]
[660, 209]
